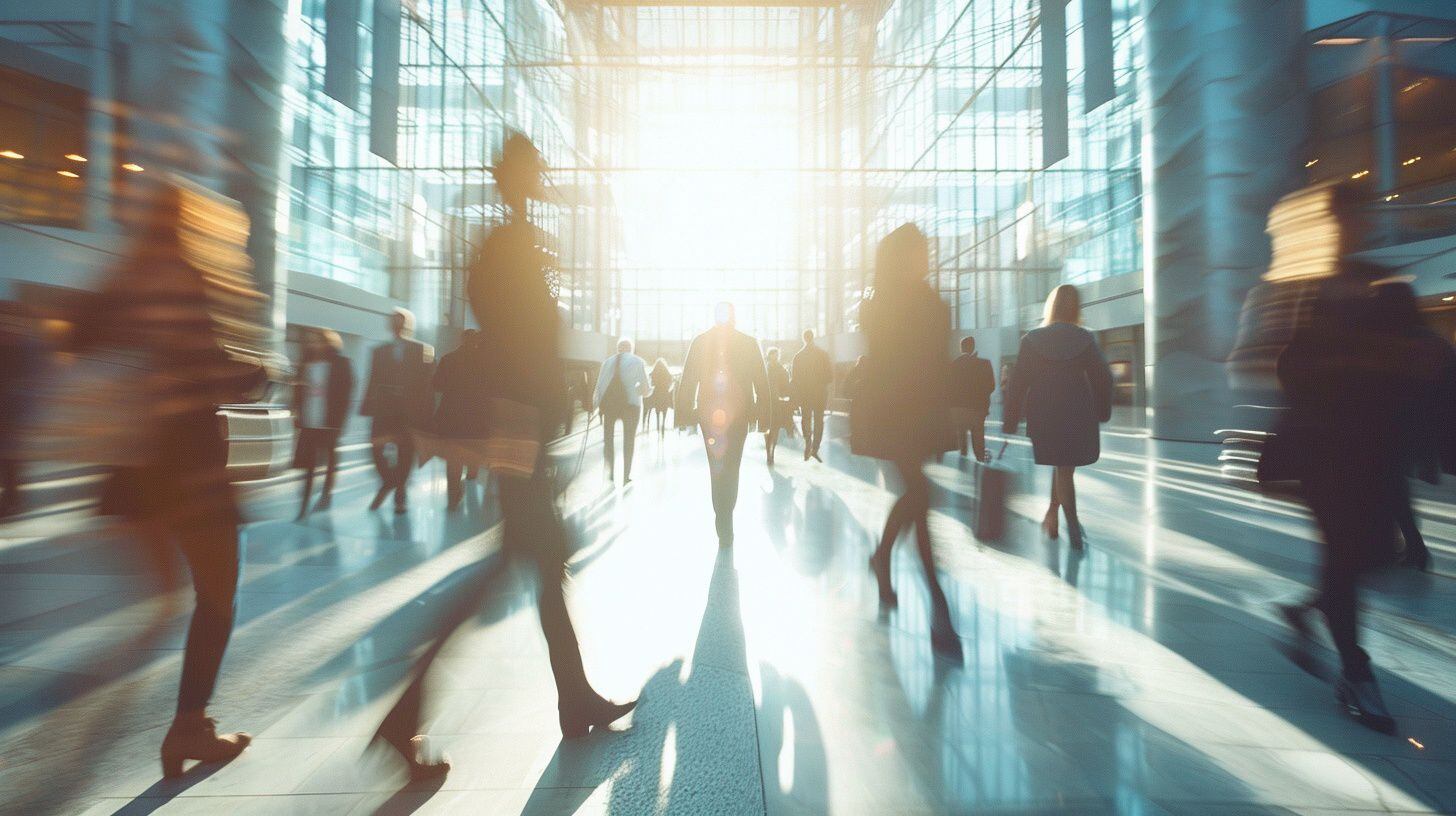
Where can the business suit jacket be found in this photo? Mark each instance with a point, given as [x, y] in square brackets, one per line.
[400, 389]
[724, 372]
[812, 375]
[971, 383]
[336, 400]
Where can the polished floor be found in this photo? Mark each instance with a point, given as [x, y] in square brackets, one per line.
[1143, 677]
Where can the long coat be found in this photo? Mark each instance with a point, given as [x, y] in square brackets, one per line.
[901, 411]
[1062, 385]
[339, 391]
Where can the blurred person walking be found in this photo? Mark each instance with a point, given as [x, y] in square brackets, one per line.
[813, 372]
[1349, 378]
[660, 401]
[971, 385]
[781, 406]
[21, 355]
[901, 409]
[398, 398]
[1062, 387]
[621, 385]
[320, 407]
[519, 344]
[725, 385]
[183, 298]
[460, 381]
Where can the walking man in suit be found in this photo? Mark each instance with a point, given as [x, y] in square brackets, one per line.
[621, 385]
[971, 384]
[812, 375]
[398, 397]
[725, 383]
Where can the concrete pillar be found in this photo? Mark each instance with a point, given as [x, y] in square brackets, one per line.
[1225, 128]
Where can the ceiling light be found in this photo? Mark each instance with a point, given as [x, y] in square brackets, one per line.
[1411, 87]
[11, 154]
[67, 174]
[1359, 175]
[132, 166]
[76, 157]
[1410, 161]
[1340, 41]
[1392, 196]
[1311, 163]
[1449, 298]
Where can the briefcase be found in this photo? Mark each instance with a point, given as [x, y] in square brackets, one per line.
[993, 489]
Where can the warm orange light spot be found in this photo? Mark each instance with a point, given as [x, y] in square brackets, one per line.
[1416, 743]
[11, 154]
[132, 166]
[67, 174]
[720, 417]
[75, 157]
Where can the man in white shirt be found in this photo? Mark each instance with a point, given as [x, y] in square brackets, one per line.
[621, 385]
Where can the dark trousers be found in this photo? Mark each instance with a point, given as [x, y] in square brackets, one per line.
[318, 446]
[212, 558]
[532, 530]
[1405, 516]
[969, 421]
[629, 417]
[9, 486]
[725, 456]
[912, 509]
[1357, 524]
[393, 477]
[811, 422]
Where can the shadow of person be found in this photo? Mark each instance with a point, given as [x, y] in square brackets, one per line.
[794, 766]
[165, 790]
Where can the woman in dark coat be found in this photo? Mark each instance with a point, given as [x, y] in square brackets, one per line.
[1062, 386]
[320, 407]
[901, 408]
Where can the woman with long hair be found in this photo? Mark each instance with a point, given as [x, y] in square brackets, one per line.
[661, 398]
[1061, 384]
[901, 407]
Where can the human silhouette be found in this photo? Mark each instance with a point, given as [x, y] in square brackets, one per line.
[971, 384]
[621, 385]
[813, 373]
[205, 346]
[1348, 380]
[900, 412]
[398, 398]
[725, 385]
[517, 313]
[660, 400]
[1419, 424]
[854, 379]
[781, 406]
[460, 381]
[1062, 387]
[320, 407]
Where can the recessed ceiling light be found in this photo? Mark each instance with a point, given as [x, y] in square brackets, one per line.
[67, 174]
[11, 154]
[135, 168]
[75, 157]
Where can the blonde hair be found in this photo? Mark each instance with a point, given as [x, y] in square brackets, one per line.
[1063, 305]
[331, 339]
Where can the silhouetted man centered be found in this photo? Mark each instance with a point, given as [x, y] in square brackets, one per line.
[725, 383]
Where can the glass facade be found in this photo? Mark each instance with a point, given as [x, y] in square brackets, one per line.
[407, 229]
[956, 147]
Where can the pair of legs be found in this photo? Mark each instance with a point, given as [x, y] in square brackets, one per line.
[725, 457]
[1063, 498]
[211, 553]
[660, 412]
[532, 530]
[912, 509]
[811, 422]
[972, 423]
[393, 477]
[316, 444]
[629, 417]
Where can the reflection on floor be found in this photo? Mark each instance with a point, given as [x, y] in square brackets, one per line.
[1139, 678]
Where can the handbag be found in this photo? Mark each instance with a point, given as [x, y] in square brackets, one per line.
[92, 409]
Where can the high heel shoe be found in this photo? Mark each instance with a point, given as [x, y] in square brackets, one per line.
[577, 721]
[881, 569]
[1074, 534]
[1049, 526]
[423, 763]
[945, 642]
[1362, 701]
[194, 736]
